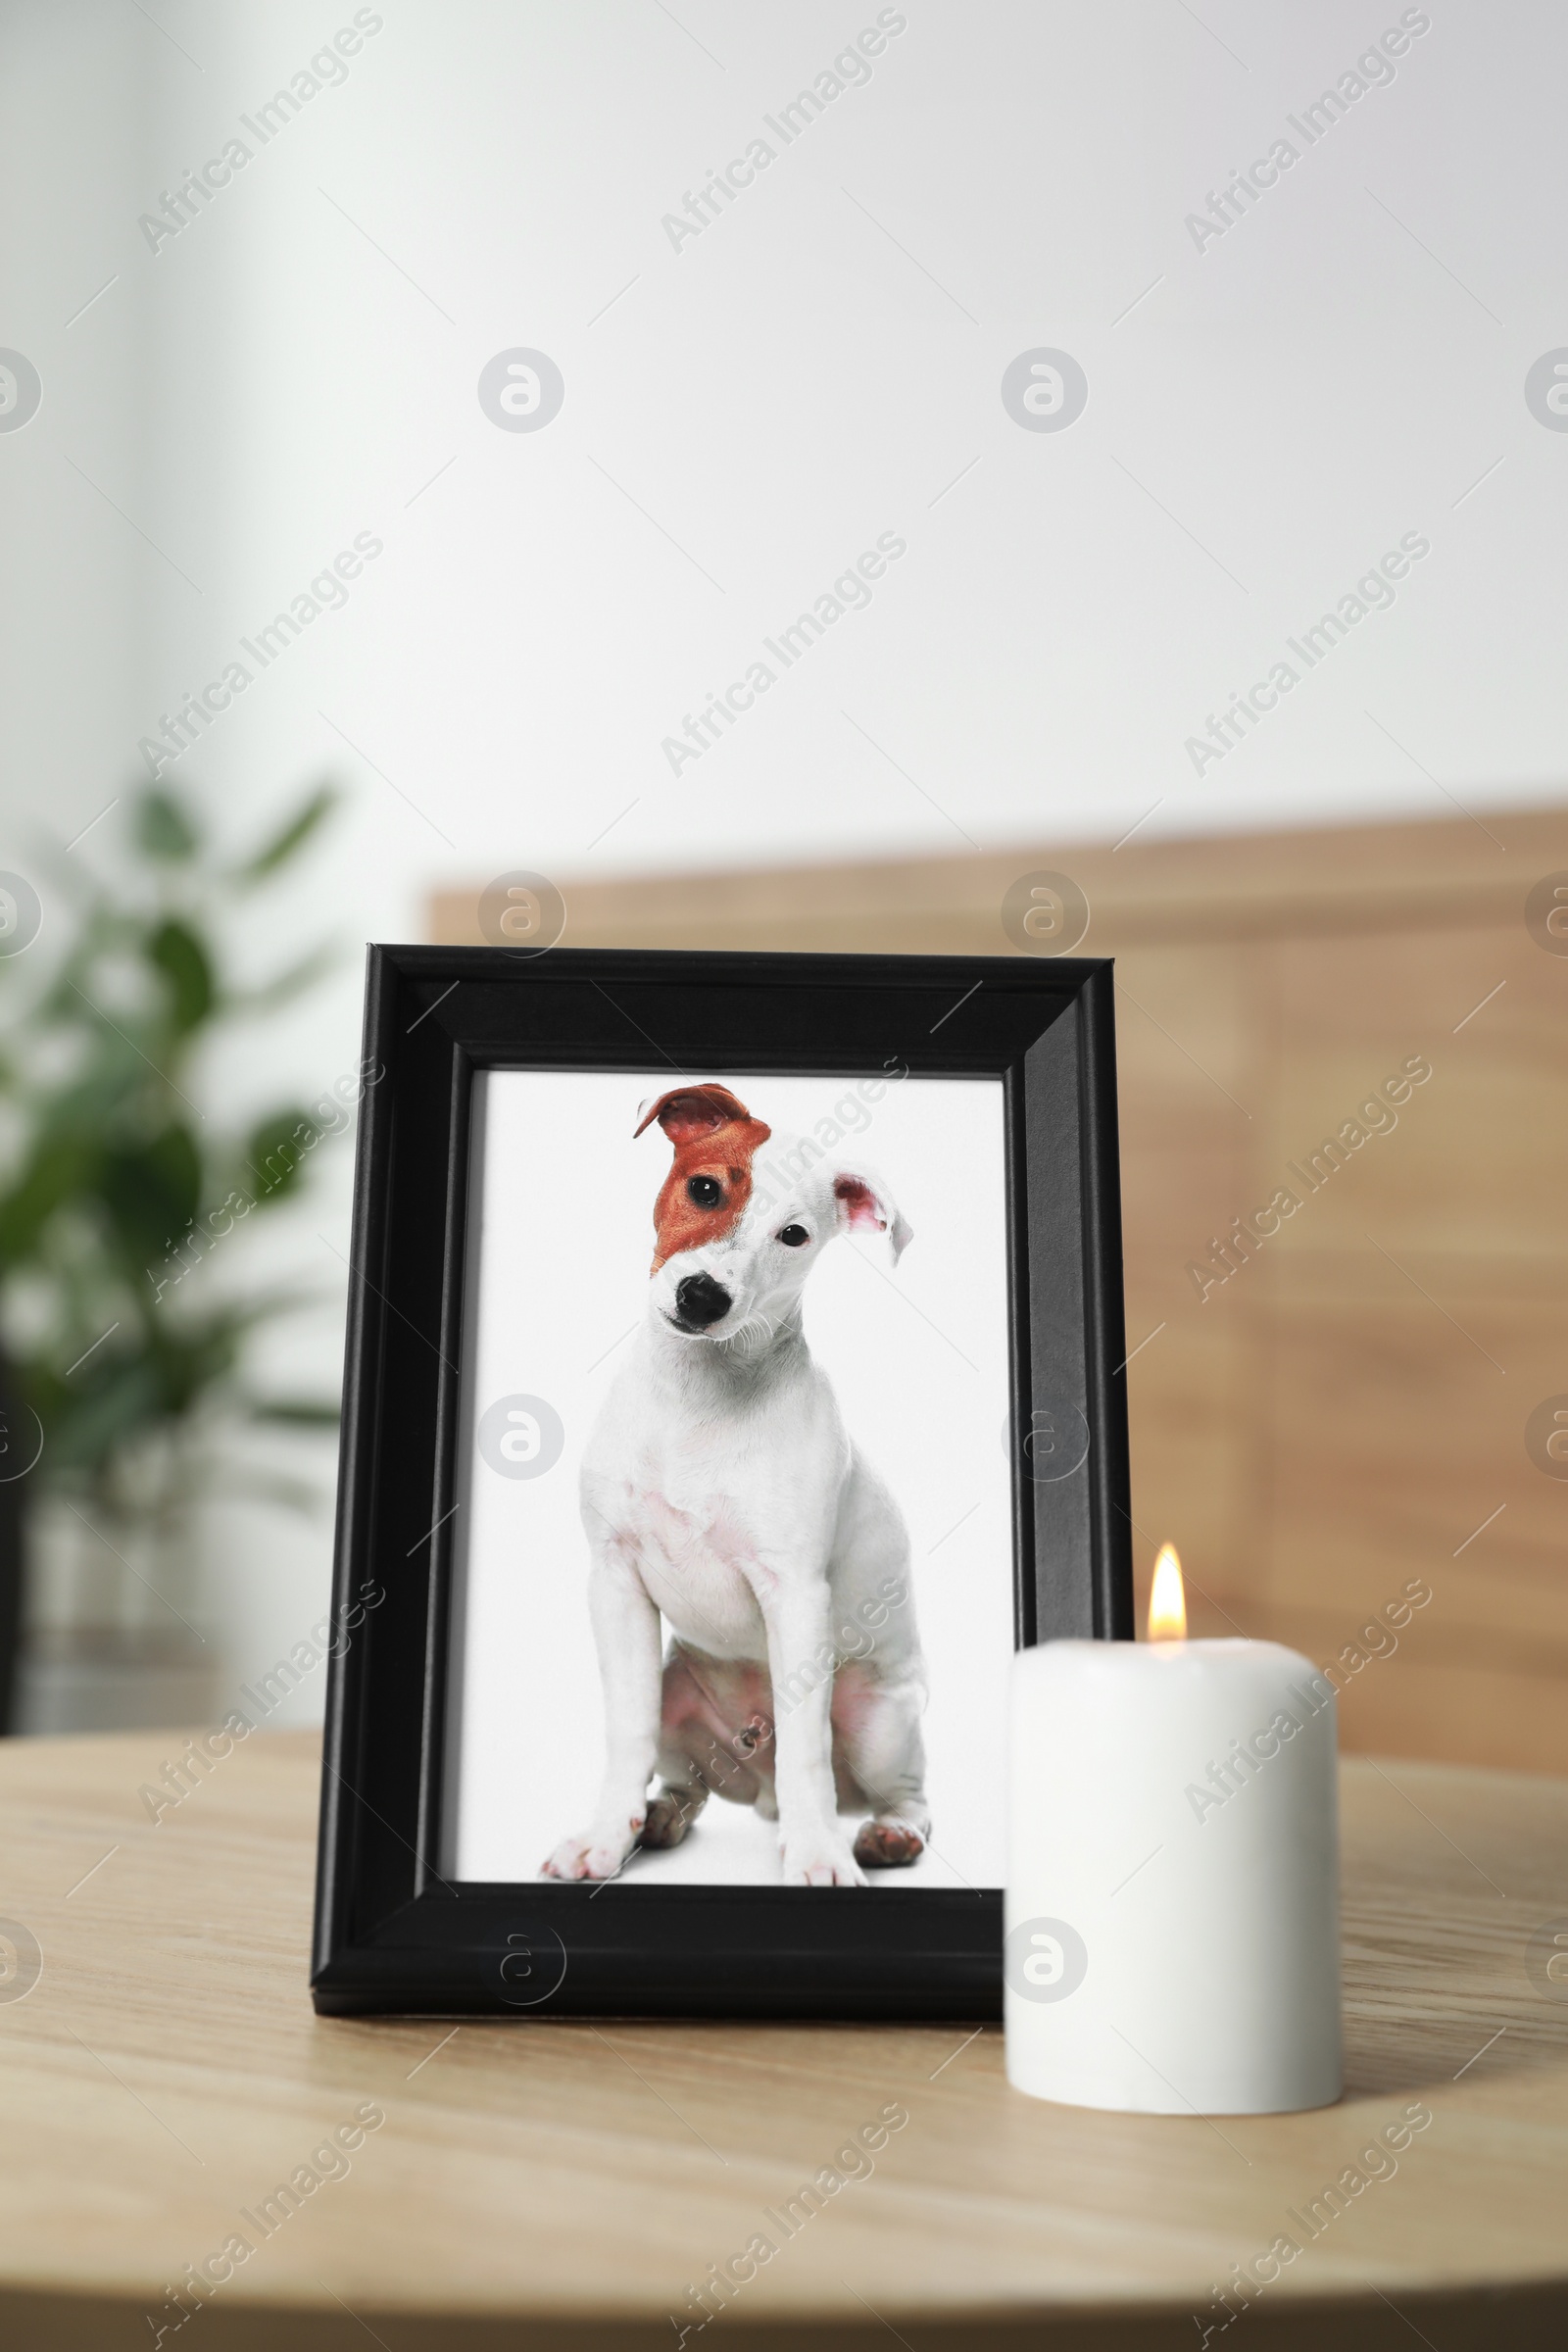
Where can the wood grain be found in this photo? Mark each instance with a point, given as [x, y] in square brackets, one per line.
[562, 2184]
[1348, 1409]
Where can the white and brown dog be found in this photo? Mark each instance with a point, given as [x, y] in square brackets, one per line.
[721, 1493]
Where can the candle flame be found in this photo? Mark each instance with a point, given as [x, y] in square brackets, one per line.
[1167, 1599]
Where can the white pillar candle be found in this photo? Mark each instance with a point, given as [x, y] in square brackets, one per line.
[1172, 1914]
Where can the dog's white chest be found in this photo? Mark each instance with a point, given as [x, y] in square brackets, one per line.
[716, 1501]
[698, 1563]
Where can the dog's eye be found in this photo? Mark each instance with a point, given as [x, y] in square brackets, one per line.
[706, 1191]
[794, 1237]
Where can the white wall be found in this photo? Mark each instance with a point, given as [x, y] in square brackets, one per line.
[1265, 417]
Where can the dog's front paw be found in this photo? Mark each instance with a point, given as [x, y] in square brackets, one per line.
[594, 1854]
[820, 1861]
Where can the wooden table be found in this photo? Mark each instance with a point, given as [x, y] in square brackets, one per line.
[562, 2184]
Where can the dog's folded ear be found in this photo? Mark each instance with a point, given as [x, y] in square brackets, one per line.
[866, 1205]
[689, 1111]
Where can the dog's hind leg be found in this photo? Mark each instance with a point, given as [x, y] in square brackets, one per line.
[674, 1808]
[892, 1840]
[879, 1756]
[702, 1753]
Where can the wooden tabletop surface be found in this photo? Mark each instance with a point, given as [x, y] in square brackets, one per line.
[564, 2185]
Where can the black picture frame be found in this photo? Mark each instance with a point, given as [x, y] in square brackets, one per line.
[392, 1936]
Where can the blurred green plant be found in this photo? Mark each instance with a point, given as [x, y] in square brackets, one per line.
[114, 1184]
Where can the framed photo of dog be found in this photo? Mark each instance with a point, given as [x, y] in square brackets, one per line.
[734, 1380]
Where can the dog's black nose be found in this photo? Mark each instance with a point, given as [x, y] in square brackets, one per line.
[701, 1301]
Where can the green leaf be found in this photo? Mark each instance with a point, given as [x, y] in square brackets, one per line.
[62, 1169]
[175, 950]
[296, 1412]
[113, 1080]
[162, 828]
[81, 1431]
[277, 1148]
[151, 1192]
[291, 837]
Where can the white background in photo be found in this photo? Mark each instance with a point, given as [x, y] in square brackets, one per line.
[562, 1218]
